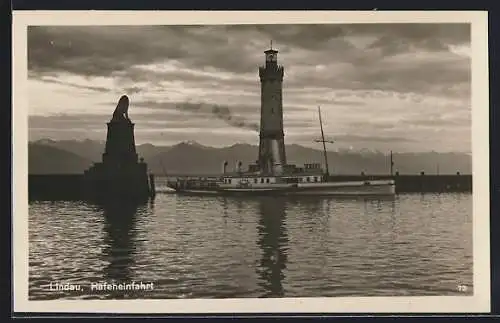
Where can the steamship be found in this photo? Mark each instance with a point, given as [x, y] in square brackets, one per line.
[307, 184]
[272, 174]
[310, 180]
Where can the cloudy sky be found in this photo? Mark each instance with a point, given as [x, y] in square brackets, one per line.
[404, 87]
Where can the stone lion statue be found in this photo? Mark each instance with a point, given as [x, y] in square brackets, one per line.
[121, 111]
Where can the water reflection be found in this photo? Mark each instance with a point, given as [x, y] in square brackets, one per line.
[311, 205]
[240, 204]
[119, 241]
[273, 242]
[269, 247]
[225, 209]
[379, 205]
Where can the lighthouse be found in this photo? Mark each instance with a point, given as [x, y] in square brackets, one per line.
[272, 157]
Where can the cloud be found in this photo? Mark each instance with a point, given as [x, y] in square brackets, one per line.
[99, 50]
[400, 57]
[371, 80]
[442, 120]
[78, 86]
[364, 139]
[104, 50]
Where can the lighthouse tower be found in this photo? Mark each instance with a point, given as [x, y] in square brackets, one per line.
[272, 158]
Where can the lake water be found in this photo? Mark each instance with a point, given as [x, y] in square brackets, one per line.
[221, 247]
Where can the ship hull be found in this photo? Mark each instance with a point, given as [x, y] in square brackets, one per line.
[346, 189]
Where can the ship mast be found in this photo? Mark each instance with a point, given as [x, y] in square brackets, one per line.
[392, 164]
[327, 173]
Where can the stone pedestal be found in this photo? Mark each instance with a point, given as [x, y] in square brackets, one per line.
[120, 175]
[120, 143]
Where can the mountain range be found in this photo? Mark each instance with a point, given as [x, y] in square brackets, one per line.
[48, 156]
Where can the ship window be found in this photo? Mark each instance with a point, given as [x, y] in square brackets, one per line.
[308, 179]
[229, 181]
[315, 179]
[262, 180]
[267, 180]
[255, 181]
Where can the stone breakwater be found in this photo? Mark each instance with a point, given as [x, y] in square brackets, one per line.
[71, 186]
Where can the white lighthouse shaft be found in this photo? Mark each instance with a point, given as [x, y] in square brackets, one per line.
[272, 156]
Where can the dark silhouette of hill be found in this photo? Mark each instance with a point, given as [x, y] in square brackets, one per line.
[89, 149]
[148, 151]
[188, 159]
[93, 149]
[194, 158]
[43, 159]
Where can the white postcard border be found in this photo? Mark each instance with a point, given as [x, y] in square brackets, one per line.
[479, 302]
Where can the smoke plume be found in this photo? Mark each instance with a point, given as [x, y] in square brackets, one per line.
[221, 112]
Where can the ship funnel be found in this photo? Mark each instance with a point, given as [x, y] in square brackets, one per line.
[224, 166]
